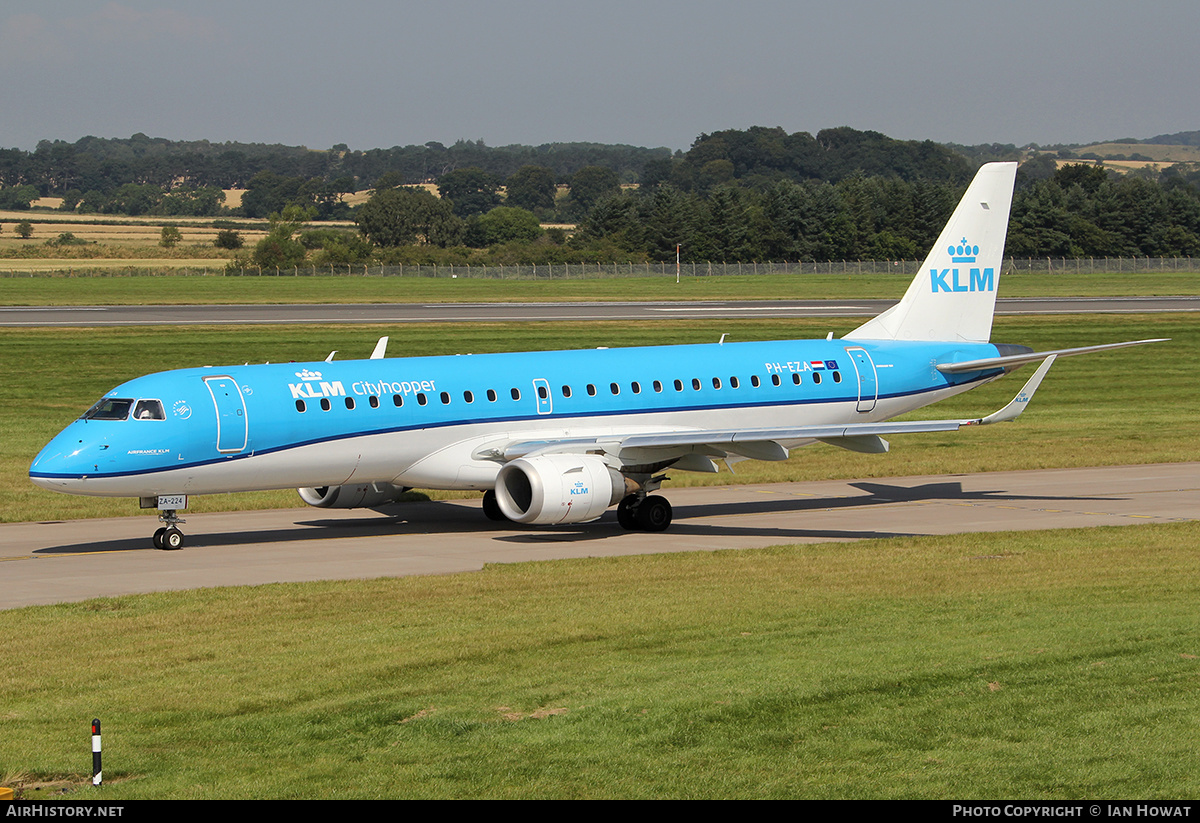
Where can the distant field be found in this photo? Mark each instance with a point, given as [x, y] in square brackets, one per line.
[233, 200]
[1161, 154]
[119, 241]
[122, 236]
[1161, 157]
[68, 268]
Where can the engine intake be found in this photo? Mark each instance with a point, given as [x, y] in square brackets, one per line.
[557, 488]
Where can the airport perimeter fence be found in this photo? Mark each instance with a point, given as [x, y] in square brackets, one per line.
[594, 271]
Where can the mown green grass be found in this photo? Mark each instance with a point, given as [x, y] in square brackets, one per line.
[84, 291]
[1123, 407]
[1043, 665]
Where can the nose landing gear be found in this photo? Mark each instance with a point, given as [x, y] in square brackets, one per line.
[169, 537]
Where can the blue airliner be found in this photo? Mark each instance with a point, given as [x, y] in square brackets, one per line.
[555, 437]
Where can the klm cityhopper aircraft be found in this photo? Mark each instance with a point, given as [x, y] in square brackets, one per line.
[555, 437]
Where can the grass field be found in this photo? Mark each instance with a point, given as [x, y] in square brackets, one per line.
[1117, 408]
[117, 290]
[1045, 665]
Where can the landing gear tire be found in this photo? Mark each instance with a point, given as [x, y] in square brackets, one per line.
[172, 539]
[627, 513]
[654, 514]
[169, 537]
[491, 506]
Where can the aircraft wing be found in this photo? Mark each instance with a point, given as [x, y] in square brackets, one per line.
[696, 448]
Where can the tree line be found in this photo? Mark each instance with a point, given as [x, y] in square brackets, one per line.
[753, 194]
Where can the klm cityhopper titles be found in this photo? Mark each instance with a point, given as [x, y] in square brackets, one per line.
[555, 437]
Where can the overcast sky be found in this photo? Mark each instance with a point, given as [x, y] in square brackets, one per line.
[380, 74]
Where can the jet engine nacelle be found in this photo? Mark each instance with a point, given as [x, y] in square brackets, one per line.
[359, 495]
[558, 488]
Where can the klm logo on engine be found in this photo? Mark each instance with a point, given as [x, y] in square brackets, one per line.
[951, 280]
[578, 488]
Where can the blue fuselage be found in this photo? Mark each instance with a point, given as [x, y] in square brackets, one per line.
[424, 421]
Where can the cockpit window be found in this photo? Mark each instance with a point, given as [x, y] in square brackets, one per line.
[148, 410]
[109, 408]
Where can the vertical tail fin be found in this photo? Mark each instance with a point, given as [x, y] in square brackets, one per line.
[953, 295]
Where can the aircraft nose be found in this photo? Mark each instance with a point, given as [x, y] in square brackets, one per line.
[66, 460]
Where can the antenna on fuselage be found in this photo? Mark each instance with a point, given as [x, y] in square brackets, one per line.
[329, 359]
[380, 349]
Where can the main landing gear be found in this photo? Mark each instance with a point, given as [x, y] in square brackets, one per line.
[649, 513]
[169, 537]
[491, 506]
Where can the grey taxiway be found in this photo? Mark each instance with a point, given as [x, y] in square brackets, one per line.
[75, 560]
[375, 313]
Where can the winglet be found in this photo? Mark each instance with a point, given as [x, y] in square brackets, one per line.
[1013, 410]
[380, 349]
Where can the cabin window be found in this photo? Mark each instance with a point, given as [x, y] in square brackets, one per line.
[350, 402]
[374, 401]
[491, 394]
[300, 405]
[817, 377]
[636, 387]
[110, 408]
[445, 398]
[716, 382]
[325, 404]
[837, 377]
[733, 383]
[591, 390]
[468, 397]
[678, 385]
[614, 388]
[543, 392]
[516, 394]
[754, 380]
[696, 383]
[566, 391]
[658, 385]
[775, 381]
[796, 377]
[397, 400]
[422, 399]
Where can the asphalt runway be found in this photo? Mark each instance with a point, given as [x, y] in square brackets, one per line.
[383, 313]
[75, 560]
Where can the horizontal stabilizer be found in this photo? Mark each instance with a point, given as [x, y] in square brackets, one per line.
[1014, 360]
